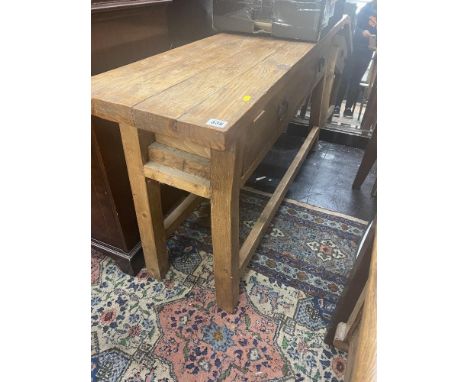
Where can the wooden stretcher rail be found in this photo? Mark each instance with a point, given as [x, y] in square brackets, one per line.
[252, 241]
[181, 160]
[177, 178]
[180, 213]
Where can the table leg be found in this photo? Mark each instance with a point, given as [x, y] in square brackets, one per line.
[316, 105]
[368, 160]
[147, 199]
[320, 101]
[304, 107]
[225, 187]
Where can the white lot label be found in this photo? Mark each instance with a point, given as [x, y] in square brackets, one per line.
[217, 123]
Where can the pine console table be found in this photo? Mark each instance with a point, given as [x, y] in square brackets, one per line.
[201, 118]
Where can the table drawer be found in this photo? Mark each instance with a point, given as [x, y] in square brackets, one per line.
[273, 119]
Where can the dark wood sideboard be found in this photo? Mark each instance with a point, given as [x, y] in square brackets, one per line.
[124, 32]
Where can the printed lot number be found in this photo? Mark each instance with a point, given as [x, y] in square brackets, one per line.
[217, 123]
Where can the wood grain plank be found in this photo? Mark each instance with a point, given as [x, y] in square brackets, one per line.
[355, 316]
[161, 111]
[268, 126]
[350, 362]
[184, 145]
[152, 65]
[132, 85]
[253, 239]
[181, 160]
[258, 140]
[225, 174]
[179, 179]
[117, 97]
[260, 84]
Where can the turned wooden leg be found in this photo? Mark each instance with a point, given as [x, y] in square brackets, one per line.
[147, 199]
[225, 175]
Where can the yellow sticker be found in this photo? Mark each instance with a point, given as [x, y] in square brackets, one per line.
[246, 98]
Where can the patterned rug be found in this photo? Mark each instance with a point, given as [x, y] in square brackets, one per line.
[145, 330]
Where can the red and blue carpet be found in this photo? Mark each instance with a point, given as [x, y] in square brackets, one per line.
[144, 330]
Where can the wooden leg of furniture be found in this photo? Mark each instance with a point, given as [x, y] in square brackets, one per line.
[225, 188]
[369, 119]
[261, 225]
[374, 189]
[315, 104]
[368, 160]
[336, 86]
[320, 99]
[355, 284]
[304, 107]
[328, 79]
[147, 199]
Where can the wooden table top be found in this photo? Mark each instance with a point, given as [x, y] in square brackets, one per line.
[201, 91]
